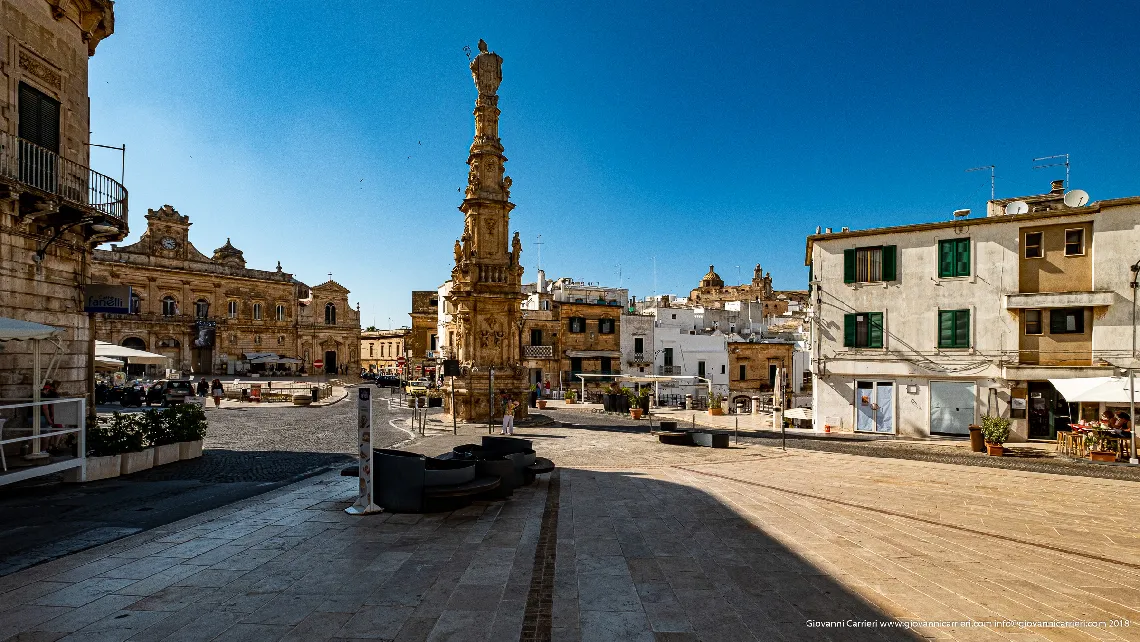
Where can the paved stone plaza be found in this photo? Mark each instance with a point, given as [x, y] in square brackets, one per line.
[631, 540]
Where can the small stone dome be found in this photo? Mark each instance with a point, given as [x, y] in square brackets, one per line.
[229, 255]
[712, 280]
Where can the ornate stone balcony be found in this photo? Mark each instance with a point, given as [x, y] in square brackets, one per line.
[47, 184]
[538, 352]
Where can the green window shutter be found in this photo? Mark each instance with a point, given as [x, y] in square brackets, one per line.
[945, 328]
[890, 262]
[962, 329]
[848, 266]
[962, 252]
[849, 331]
[875, 329]
[945, 259]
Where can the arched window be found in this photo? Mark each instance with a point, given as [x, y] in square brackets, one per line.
[136, 303]
[135, 343]
[280, 312]
[257, 339]
[370, 348]
[169, 306]
[232, 309]
[201, 308]
[256, 311]
[330, 314]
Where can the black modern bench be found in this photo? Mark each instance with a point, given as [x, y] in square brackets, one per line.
[407, 482]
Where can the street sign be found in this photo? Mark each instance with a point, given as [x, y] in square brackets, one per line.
[109, 299]
[318, 364]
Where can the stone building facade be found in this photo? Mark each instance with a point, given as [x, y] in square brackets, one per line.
[214, 315]
[752, 366]
[713, 293]
[423, 339]
[53, 208]
[381, 349]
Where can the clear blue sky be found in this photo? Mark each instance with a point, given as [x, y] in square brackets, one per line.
[332, 136]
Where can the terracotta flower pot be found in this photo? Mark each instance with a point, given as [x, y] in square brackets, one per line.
[716, 412]
[635, 413]
[995, 450]
[1102, 455]
[541, 404]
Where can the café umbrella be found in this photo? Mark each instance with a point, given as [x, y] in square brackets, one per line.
[17, 330]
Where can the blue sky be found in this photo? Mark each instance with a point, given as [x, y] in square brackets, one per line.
[333, 136]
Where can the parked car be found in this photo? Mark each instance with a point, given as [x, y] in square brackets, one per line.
[387, 381]
[417, 387]
[175, 392]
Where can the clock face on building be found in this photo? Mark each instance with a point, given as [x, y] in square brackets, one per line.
[169, 243]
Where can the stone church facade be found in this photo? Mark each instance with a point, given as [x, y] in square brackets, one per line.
[213, 315]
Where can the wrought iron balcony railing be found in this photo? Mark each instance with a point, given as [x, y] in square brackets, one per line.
[46, 171]
[538, 352]
[669, 370]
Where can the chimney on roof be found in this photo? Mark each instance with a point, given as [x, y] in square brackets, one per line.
[845, 229]
[1057, 187]
[827, 231]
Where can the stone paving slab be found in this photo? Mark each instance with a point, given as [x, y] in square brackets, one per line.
[642, 543]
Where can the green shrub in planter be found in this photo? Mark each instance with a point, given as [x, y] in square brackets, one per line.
[186, 422]
[108, 437]
[155, 426]
[995, 430]
[119, 434]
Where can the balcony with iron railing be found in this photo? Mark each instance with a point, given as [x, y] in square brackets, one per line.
[668, 370]
[538, 352]
[30, 166]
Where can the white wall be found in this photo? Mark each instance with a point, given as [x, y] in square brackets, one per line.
[635, 326]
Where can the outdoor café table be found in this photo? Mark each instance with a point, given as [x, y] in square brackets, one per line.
[1103, 440]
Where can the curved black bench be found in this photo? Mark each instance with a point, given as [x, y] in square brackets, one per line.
[507, 444]
[675, 438]
[541, 466]
[667, 425]
[489, 463]
[710, 439]
[413, 483]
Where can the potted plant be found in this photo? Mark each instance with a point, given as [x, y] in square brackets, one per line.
[634, 405]
[715, 400]
[571, 396]
[157, 430]
[1095, 445]
[435, 398]
[188, 424]
[995, 430]
[532, 395]
[104, 453]
[137, 453]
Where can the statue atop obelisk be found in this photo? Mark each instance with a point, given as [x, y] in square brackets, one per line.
[486, 282]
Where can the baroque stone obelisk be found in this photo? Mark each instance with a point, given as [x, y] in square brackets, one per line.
[487, 279]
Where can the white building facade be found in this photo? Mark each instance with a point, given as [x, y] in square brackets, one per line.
[923, 329]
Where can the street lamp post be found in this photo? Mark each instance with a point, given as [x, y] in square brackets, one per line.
[1132, 367]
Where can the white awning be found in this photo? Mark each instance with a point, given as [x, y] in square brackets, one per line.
[107, 363]
[104, 349]
[1094, 389]
[16, 330]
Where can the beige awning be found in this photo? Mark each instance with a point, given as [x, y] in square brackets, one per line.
[104, 349]
[594, 354]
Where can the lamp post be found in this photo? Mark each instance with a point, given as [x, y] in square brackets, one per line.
[1132, 367]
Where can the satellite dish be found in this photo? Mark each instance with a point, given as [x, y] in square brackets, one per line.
[961, 213]
[1016, 207]
[1076, 198]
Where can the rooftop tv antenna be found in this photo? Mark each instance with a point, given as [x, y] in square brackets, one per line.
[538, 251]
[1057, 163]
[991, 168]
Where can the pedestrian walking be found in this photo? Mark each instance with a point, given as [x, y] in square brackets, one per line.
[203, 388]
[216, 390]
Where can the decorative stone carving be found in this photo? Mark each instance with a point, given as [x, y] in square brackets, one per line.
[32, 64]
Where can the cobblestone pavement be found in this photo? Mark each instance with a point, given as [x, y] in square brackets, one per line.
[633, 540]
[1018, 457]
[247, 452]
